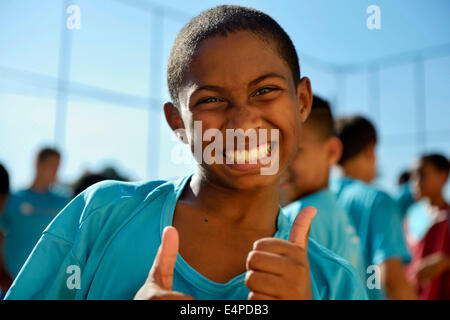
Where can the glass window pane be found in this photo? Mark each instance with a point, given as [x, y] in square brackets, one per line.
[112, 48]
[26, 124]
[30, 34]
[397, 103]
[99, 134]
[392, 160]
[437, 95]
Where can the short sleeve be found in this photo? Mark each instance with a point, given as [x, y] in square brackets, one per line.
[386, 227]
[47, 272]
[334, 277]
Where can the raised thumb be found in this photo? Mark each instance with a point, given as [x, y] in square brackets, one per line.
[163, 267]
[300, 228]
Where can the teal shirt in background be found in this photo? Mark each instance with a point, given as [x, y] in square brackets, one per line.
[26, 215]
[404, 198]
[109, 236]
[331, 227]
[377, 221]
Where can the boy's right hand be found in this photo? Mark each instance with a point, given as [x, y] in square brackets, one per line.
[158, 285]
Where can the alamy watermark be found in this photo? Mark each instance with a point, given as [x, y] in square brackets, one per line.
[374, 277]
[74, 279]
[74, 20]
[373, 22]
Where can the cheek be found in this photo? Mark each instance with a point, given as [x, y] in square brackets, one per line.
[197, 126]
[426, 186]
[434, 184]
[302, 170]
[290, 136]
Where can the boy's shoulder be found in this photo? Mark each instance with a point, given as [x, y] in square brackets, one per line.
[334, 276]
[108, 204]
[111, 192]
[108, 190]
[367, 194]
[324, 201]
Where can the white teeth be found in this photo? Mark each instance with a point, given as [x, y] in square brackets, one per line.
[253, 157]
[248, 156]
[239, 156]
[263, 151]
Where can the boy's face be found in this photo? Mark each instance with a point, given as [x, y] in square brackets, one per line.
[427, 180]
[47, 169]
[309, 170]
[240, 82]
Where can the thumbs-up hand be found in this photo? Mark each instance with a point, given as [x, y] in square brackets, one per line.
[158, 285]
[279, 269]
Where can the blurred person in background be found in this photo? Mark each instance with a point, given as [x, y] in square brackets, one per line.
[85, 181]
[375, 215]
[305, 183]
[89, 178]
[5, 278]
[428, 230]
[29, 211]
[404, 195]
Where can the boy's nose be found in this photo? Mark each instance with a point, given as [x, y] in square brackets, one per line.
[244, 117]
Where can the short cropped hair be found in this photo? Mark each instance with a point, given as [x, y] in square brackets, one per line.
[356, 133]
[404, 177]
[221, 21]
[46, 153]
[438, 161]
[4, 180]
[320, 118]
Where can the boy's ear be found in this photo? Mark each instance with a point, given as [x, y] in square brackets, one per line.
[304, 97]
[174, 120]
[334, 146]
[369, 152]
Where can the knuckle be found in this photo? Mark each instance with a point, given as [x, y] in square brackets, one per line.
[258, 244]
[262, 244]
[250, 278]
[253, 259]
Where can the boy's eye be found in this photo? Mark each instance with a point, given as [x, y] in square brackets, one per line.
[209, 100]
[264, 91]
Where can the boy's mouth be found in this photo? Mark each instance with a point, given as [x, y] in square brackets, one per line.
[249, 158]
[247, 155]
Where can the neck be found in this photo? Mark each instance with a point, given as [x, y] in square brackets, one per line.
[255, 209]
[39, 186]
[321, 187]
[438, 201]
[353, 170]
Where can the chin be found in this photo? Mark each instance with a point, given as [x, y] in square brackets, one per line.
[240, 180]
[254, 181]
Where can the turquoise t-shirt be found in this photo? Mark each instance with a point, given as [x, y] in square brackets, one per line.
[26, 215]
[109, 236]
[378, 223]
[331, 227]
[404, 198]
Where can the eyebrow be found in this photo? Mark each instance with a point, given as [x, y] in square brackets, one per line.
[263, 77]
[252, 83]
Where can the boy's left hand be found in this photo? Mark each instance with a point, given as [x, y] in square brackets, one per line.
[279, 269]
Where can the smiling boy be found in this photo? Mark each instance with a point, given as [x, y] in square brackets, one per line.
[216, 234]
